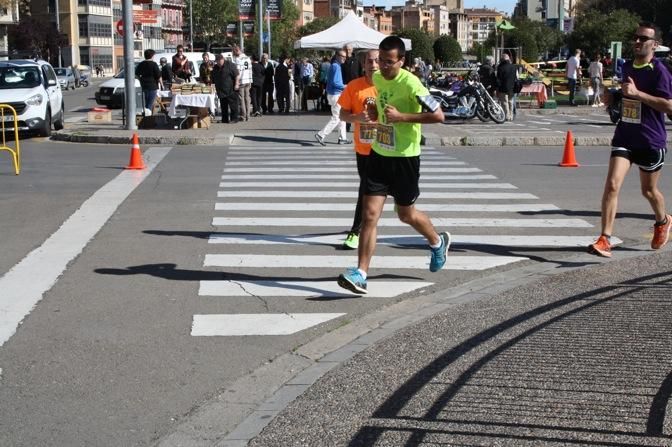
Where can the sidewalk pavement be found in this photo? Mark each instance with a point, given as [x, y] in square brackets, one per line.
[526, 358]
[305, 124]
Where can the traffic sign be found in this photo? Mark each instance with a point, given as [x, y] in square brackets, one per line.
[265, 37]
[120, 28]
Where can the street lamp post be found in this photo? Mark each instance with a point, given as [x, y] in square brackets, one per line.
[58, 32]
[191, 26]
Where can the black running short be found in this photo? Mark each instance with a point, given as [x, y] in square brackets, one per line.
[648, 160]
[393, 176]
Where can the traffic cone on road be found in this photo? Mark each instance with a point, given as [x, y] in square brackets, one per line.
[569, 158]
[136, 161]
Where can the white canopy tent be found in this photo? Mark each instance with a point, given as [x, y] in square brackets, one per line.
[350, 30]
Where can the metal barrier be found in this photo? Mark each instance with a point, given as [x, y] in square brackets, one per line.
[16, 152]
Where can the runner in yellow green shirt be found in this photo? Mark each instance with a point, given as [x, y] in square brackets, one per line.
[393, 167]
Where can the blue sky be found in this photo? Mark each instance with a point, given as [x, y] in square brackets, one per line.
[501, 5]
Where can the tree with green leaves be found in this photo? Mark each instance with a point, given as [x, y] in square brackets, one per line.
[210, 18]
[284, 32]
[481, 50]
[421, 45]
[655, 11]
[447, 49]
[593, 31]
[36, 36]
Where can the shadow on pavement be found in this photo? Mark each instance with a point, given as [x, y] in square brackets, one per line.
[589, 369]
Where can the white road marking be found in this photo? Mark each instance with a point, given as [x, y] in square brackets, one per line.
[350, 185]
[286, 157]
[545, 123]
[448, 207]
[353, 194]
[264, 178]
[407, 240]
[340, 262]
[326, 289]
[394, 222]
[256, 324]
[24, 284]
[252, 169]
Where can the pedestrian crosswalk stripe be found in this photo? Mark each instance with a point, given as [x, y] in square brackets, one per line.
[505, 240]
[340, 262]
[325, 289]
[322, 168]
[324, 158]
[350, 163]
[350, 185]
[256, 324]
[431, 207]
[394, 222]
[262, 178]
[353, 194]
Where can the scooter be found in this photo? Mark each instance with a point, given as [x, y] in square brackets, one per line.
[84, 81]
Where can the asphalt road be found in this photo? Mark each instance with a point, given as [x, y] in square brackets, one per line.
[115, 353]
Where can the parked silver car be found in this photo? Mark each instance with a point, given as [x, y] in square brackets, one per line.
[66, 78]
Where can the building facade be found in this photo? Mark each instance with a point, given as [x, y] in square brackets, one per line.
[8, 16]
[482, 22]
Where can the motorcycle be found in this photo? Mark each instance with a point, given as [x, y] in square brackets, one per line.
[84, 81]
[469, 100]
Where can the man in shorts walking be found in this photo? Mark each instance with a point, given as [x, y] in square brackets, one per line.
[393, 167]
[640, 137]
[357, 96]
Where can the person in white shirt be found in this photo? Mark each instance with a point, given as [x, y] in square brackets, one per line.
[573, 74]
[596, 80]
[244, 65]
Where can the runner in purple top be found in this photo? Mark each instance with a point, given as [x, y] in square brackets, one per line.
[640, 137]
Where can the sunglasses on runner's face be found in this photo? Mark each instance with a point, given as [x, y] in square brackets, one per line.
[640, 38]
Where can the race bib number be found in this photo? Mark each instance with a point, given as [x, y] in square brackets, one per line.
[367, 132]
[632, 111]
[385, 136]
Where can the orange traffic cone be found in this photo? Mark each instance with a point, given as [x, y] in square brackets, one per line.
[136, 161]
[568, 158]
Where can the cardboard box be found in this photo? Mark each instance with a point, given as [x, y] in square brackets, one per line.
[100, 117]
[194, 122]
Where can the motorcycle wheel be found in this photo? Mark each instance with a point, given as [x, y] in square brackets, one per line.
[482, 114]
[496, 113]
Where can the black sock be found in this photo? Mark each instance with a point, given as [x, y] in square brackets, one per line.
[661, 223]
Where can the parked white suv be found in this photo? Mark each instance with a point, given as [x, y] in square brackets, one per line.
[32, 89]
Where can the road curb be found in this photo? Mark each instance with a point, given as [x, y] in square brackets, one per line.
[183, 140]
[295, 372]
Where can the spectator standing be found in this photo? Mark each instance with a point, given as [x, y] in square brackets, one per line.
[267, 90]
[357, 97]
[573, 74]
[256, 90]
[149, 75]
[307, 72]
[205, 70]
[282, 84]
[244, 65]
[180, 65]
[350, 69]
[335, 87]
[487, 75]
[506, 78]
[324, 75]
[167, 76]
[640, 138]
[226, 78]
[393, 167]
[596, 80]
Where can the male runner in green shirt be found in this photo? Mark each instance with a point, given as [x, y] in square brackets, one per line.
[402, 104]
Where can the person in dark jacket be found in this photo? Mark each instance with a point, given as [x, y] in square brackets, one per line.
[267, 89]
[167, 77]
[227, 81]
[350, 69]
[282, 84]
[487, 75]
[506, 78]
[258, 75]
[149, 75]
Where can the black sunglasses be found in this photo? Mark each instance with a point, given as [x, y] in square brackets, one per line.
[640, 38]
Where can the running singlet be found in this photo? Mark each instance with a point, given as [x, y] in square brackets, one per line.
[398, 139]
[353, 98]
[641, 126]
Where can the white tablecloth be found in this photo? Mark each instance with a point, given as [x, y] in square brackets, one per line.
[196, 100]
